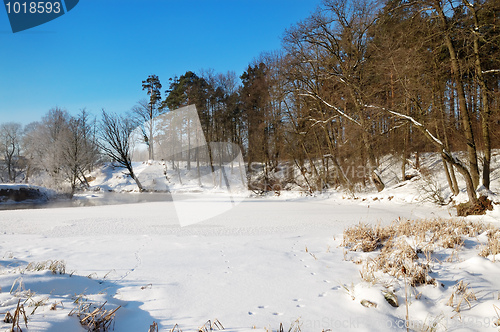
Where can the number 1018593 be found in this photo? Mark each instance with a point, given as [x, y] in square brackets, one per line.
[33, 7]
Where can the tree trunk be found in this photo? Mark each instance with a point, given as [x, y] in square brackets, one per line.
[462, 102]
[151, 140]
[377, 181]
[197, 156]
[471, 189]
[189, 144]
[485, 114]
[179, 172]
[454, 181]
[404, 155]
[446, 154]
[333, 156]
[136, 179]
[450, 172]
[447, 172]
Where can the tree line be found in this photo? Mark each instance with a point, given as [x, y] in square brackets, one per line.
[353, 82]
[360, 79]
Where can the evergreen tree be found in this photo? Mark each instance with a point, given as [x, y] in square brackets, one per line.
[146, 112]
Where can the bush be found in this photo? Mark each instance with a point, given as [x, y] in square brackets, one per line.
[467, 209]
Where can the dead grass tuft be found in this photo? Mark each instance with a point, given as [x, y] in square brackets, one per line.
[399, 259]
[211, 326]
[397, 255]
[93, 318]
[466, 209]
[153, 327]
[493, 245]
[365, 238]
[16, 319]
[56, 267]
[463, 294]
[214, 325]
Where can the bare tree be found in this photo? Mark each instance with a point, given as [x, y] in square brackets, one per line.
[329, 53]
[115, 134]
[79, 149]
[29, 148]
[10, 142]
[44, 142]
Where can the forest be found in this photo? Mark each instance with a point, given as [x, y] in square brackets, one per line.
[353, 82]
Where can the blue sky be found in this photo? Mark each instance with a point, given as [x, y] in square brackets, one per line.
[96, 55]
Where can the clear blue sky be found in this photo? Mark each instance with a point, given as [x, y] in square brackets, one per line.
[96, 55]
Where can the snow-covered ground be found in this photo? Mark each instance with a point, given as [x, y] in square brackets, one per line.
[263, 263]
[268, 260]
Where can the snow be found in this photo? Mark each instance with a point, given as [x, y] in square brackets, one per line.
[264, 261]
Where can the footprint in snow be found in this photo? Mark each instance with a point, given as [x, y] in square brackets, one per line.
[297, 300]
[336, 288]
[313, 273]
[251, 313]
[277, 313]
[300, 306]
[262, 306]
[327, 281]
[322, 295]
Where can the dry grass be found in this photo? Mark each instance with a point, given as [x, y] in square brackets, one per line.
[463, 295]
[18, 289]
[483, 204]
[365, 238]
[446, 233]
[402, 241]
[53, 307]
[430, 190]
[153, 327]
[36, 303]
[399, 259]
[211, 326]
[493, 245]
[294, 327]
[56, 267]
[497, 321]
[93, 318]
[441, 232]
[16, 319]
[175, 329]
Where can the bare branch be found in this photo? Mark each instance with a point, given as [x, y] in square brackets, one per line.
[338, 110]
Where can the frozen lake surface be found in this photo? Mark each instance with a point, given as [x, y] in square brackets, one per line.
[264, 262]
